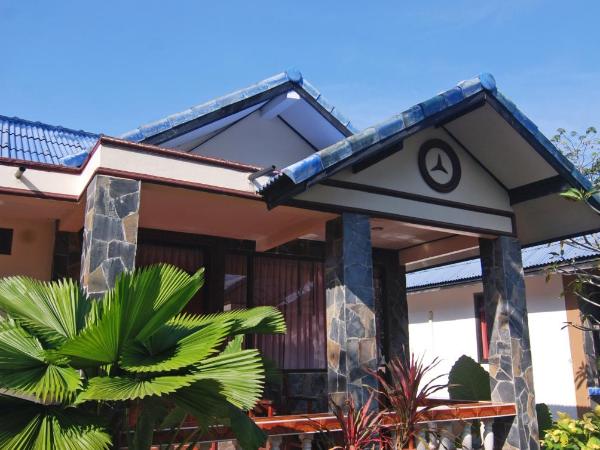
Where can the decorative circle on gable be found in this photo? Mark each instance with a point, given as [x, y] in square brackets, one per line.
[439, 165]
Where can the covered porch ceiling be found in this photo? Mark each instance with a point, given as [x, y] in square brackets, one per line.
[190, 211]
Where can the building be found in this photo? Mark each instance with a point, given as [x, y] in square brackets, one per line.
[285, 203]
[448, 301]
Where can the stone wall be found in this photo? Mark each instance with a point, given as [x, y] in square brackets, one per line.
[511, 372]
[351, 339]
[110, 231]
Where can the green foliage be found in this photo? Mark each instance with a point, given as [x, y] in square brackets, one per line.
[70, 365]
[575, 434]
[469, 381]
[582, 149]
[544, 417]
[405, 387]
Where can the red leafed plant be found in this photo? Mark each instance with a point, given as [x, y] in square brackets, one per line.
[404, 390]
[360, 427]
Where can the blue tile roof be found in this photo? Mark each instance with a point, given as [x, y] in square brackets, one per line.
[462, 272]
[322, 163]
[294, 77]
[38, 142]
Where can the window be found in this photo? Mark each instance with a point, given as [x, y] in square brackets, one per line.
[483, 343]
[6, 238]
[296, 287]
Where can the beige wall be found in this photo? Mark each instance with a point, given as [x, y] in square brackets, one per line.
[32, 248]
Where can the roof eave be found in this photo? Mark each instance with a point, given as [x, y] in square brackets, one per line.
[466, 96]
[172, 126]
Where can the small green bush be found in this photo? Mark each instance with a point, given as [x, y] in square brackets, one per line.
[576, 434]
[544, 417]
[469, 381]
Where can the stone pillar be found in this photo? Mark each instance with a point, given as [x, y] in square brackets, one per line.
[351, 338]
[393, 306]
[511, 373]
[110, 231]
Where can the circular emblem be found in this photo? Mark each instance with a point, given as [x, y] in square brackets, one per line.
[439, 165]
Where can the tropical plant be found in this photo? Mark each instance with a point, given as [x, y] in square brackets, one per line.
[405, 388]
[72, 369]
[574, 434]
[361, 428]
[544, 417]
[468, 380]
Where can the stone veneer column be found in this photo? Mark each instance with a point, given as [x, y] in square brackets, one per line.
[394, 305]
[110, 231]
[511, 372]
[351, 338]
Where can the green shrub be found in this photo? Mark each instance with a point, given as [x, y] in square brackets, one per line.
[469, 381]
[544, 417]
[569, 433]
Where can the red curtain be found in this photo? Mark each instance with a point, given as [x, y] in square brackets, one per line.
[296, 288]
[189, 259]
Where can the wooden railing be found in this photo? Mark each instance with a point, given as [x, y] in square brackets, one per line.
[469, 424]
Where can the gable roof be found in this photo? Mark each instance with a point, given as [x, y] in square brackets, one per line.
[171, 126]
[465, 96]
[25, 140]
[535, 257]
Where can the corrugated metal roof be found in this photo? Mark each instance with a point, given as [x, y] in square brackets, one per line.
[533, 257]
[39, 142]
[323, 163]
[147, 131]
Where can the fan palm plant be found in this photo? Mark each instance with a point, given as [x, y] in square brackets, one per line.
[71, 366]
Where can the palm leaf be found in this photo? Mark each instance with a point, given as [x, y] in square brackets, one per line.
[261, 319]
[140, 303]
[239, 375]
[204, 402]
[27, 426]
[128, 388]
[173, 347]
[24, 368]
[55, 311]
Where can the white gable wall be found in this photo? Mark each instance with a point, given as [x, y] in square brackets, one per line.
[258, 141]
[399, 175]
[442, 323]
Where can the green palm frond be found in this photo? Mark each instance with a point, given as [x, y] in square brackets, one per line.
[129, 388]
[240, 376]
[140, 303]
[172, 348]
[24, 368]
[261, 319]
[27, 426]
[48, 383]
[55, 311]
[204, 402]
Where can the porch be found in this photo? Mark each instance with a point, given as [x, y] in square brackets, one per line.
[449, 425]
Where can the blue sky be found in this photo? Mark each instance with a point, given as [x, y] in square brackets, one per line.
[108, 66]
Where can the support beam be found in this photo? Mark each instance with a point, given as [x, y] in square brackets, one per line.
[279, 104]
[511, 372]
[351, 339]
[110, 231]
[393, 309]
[434, 252]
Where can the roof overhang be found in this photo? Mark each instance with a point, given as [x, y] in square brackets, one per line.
[479, 121]
[225, 110]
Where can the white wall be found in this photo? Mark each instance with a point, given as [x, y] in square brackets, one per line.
[442, 323]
